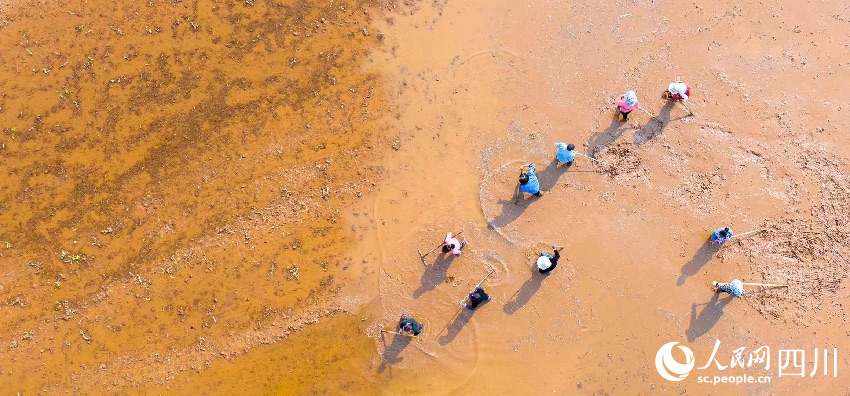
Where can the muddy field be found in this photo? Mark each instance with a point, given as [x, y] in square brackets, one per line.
[174, 180]
[218, 198]
[490, 87]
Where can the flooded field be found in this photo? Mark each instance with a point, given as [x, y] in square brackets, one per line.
[228, 197]
[173, 175]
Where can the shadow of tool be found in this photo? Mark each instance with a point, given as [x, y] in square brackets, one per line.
[434, 274]
[701, 257]
[456, 326]
[601, 140]
[549, 176]
[651, 130]
[654, 128]
[524, 294]
[708, 317]
[392, 352]
[511, 210]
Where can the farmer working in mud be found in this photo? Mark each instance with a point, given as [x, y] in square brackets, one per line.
[475, 299]
[627, 102]
[528, 182]
[566, 153]
[407, 324]
[451, 244]
[735, 288]
[678, 91]
[721, 235]
[546, 262]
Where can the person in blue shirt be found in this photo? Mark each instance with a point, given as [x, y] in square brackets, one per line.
[528, 182]
[566, 153]
[721, 235]
[735, 288]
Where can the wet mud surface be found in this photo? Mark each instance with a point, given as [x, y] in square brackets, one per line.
[174, 179]
[200, 194]
[484, 89]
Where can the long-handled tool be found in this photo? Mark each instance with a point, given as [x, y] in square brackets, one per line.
[397, 333]
[592, 159]
[746, 233]
[492, 271]
[652, 115]
[518, 190]
[686, 107]
[763, 284]
[669, 96]
[422, 256]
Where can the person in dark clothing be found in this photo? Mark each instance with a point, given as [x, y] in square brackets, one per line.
[546, 262]
[407, 324]
[475, 299]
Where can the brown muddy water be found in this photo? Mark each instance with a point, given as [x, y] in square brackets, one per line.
[227, 197]
[173, 177]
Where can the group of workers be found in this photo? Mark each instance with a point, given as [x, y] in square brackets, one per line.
[529, 184]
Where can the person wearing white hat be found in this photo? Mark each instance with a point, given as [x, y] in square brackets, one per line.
[627, 102]
[546, 262]
[678, 91]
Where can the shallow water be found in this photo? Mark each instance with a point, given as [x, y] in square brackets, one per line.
[486, 87]
[228, 228]
[174, 175]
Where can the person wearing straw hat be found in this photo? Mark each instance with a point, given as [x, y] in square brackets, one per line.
[407, 324]
[476, 298]
[566, 153]
[528, 182]
[546, 262]
[735, 288]
[451, 244]
[627, 102]
[678, 91]
[721, 235]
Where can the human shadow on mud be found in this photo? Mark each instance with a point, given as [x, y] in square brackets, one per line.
[434, 274]
[653, 128]
[524, 294]
[708, 317]
[456, 326]
[601, 140]
[701, 258]
[392, 352]
[549, 176]
[513, 208]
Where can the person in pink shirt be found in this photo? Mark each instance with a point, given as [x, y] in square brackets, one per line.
[627, 102]
[451, 244]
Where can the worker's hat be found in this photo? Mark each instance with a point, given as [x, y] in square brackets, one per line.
[543, 263]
